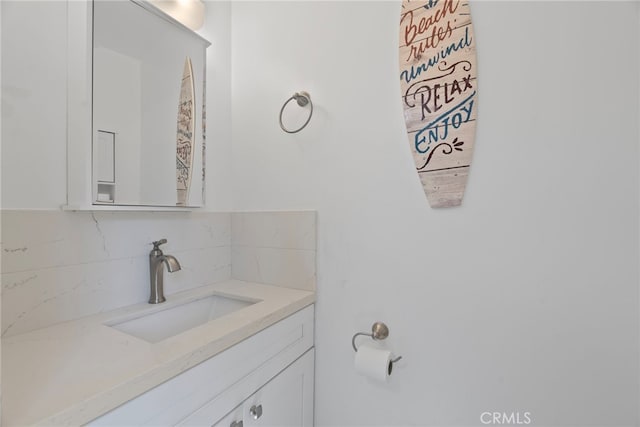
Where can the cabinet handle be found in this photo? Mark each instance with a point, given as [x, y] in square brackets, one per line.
[237, 424]
[256, 411]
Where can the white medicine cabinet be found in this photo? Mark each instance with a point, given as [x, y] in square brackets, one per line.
[136, 108]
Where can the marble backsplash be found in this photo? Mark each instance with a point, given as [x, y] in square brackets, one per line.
[59, 266]
[276, 248]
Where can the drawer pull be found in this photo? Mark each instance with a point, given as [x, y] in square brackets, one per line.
[237, 424]
[256, 411]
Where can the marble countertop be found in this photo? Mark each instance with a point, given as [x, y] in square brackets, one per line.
[73, 372]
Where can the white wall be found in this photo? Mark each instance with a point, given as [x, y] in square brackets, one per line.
[119, 112]
[34, 104]
[525, 299]
[1, 116]
[217, 30]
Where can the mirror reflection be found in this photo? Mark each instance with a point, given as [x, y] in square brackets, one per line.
[148, 107]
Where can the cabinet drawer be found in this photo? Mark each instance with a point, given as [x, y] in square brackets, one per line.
[271, 350]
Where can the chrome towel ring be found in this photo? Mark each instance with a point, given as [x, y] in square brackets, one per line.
[302, 98]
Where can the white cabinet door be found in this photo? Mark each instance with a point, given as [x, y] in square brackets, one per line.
[285, 401]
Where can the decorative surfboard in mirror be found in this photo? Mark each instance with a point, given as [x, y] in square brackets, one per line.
[438, 80]
[184, 139]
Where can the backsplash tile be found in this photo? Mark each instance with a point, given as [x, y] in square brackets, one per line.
[40, 239]
[277, 248]
[286, 230]
[37, 298]
[292, 268]
[59, 266]
[199, 267]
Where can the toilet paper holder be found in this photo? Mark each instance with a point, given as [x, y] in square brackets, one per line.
[379, 331]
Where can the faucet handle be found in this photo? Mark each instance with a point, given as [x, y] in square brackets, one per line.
[156, 244]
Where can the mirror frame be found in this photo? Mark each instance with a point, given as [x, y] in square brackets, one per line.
[79, 109]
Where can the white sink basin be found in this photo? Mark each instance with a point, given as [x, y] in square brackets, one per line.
[173, 320]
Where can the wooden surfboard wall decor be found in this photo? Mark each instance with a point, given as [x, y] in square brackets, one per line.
[185, 138]
[438, 79]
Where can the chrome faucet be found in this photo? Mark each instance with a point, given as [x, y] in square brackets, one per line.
[156, 259]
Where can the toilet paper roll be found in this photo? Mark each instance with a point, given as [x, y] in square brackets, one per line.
[373, 362]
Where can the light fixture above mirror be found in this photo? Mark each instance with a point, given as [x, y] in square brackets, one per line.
[190, 13]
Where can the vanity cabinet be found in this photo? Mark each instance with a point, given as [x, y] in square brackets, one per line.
[285, 401]
[264, 380]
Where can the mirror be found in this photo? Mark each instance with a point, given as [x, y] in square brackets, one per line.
[148, 108]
